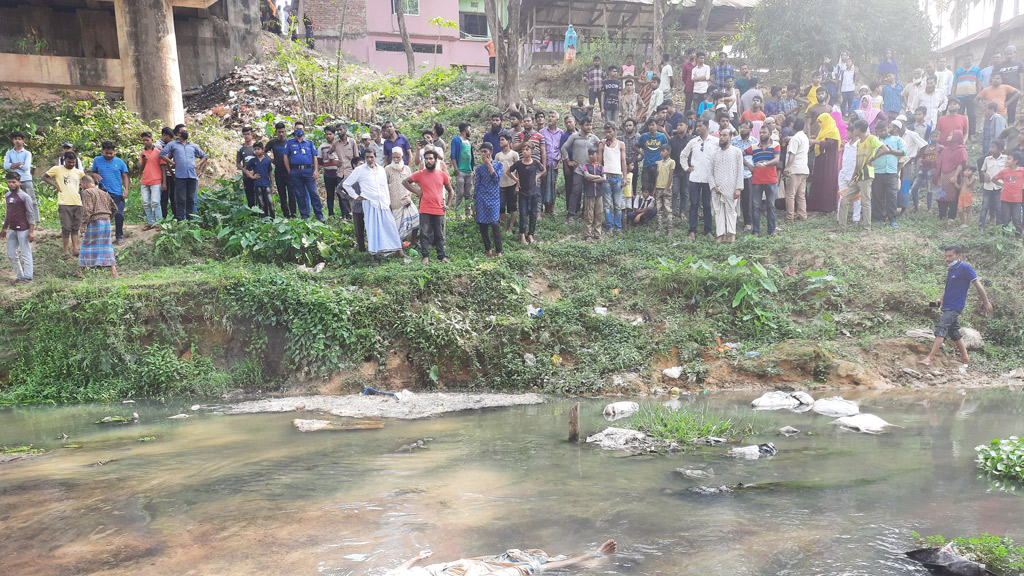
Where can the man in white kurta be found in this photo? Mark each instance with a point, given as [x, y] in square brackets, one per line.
[369, 183]
[726, 183]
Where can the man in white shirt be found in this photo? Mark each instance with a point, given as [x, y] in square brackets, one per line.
[701, 76]
[797, 172]
[933, 99]
[666, 76]
[696, 159]
[991, 165]
[944, 77]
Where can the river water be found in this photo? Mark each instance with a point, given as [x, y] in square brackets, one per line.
[226, 495]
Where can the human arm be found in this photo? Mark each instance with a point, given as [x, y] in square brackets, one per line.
[125, 182]
[407, 183]
[738, 185]
[47, 177]
[984, 296]
[1013, 97]
[8, 165]
[350, 183]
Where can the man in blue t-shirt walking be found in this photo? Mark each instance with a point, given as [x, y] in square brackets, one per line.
[959, 277]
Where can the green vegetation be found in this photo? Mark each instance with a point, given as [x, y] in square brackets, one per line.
[20, 450]
[217, 304]
[1004, 458]
[1000, 555]
[687, 425]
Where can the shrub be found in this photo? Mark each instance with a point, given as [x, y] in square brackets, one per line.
[1003, 458]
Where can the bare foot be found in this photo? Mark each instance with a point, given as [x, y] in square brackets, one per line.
[426, 260]
[489, 254]
[925, 362]
[445, 260]
[964, 360]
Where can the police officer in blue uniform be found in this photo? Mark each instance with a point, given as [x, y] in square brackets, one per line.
[300, 161]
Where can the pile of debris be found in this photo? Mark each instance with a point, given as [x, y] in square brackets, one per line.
[246, 93]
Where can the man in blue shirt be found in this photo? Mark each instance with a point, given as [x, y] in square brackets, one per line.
[186, 179]
[112, 172]
[19, 159]
[394, 139]
[493, 135]
[650, 143]
[300, 162]
[959, 278]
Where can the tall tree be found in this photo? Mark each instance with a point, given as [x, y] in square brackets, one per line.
[410, 58]
[659, 28]
[958, 11]
[705, 16]
[800, 32]
[506, 33]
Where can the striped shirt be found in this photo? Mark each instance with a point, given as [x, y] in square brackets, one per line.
[965, 82]
[766, 174]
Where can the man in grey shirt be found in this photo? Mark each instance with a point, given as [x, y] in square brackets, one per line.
[576, 149]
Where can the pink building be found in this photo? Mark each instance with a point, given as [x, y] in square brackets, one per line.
[371, 32]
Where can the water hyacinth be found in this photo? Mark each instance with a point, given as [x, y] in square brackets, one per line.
[1003, 458]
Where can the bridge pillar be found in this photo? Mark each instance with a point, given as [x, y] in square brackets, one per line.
[149, 57]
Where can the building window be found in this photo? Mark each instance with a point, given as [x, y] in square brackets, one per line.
[397, 47]
[473, 24]
[412, 7]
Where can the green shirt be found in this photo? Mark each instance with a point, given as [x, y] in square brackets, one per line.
[866, 148]
[466, 157]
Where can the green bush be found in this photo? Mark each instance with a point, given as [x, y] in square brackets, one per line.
[999, 554]
[1003, 458]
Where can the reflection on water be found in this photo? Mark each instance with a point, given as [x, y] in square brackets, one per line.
[249, 495]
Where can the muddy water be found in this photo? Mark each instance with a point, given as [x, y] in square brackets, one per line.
[249, 495]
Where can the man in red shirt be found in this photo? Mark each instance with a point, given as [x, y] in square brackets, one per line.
[951, 120]
[1011, 179]
[432, 185]
[688, 77]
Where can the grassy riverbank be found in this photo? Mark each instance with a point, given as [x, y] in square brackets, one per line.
[201, 310]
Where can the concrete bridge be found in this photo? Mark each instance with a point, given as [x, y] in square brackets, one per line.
[145, 49]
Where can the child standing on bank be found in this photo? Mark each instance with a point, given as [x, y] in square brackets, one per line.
[663, 188]
[18, 219]
[967, 182]
[258, 169]
[593, 197]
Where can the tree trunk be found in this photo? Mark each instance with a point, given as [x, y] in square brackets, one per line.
[506, 33]
[702, 24]
[405, 38]
[990, 46]
[341, 39]
[659, 28]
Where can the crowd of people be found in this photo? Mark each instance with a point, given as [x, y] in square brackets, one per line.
[702, 149]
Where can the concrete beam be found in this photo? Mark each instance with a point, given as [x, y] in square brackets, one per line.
[62, 72]
[200, 4]
[149, 55]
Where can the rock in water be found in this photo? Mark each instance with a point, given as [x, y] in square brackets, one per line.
[802, 397]
[701, 474]
[710, 490]
[788, 431]
[178, 417]
[835, 407]
[617, 438]
[866, 423]
[318, 425]
[946, 560]
[617, 410]
[775, 400]
[766, 450]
